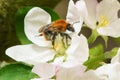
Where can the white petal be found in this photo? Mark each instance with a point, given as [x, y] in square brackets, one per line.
[34, 20]
[67, 64]
[44, 70]
[72, 10]
[78, 49]
[112, 30]
[36, 79]
[82, 8]
[90, 20]
[77, 27]
[102, 72]
[30, 54]
[116, 58]
[109, 72]
[71, 63]
[115, 72]
[74, 13]
[109, 9]
[70, 73]
[90, 75]
[59, 60]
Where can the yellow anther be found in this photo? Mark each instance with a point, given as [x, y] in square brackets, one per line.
[104, 21]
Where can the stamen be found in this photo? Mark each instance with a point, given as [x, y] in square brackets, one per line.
[104, 21]
[58, 45]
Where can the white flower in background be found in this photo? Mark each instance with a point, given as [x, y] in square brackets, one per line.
[76, 14]
[116, 58]
[42, 50]
[48, 71]
[103, 17]
[110, 71]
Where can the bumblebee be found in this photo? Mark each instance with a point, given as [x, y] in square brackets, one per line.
[50, 31]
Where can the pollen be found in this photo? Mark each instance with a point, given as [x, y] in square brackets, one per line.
[104, 21]
[59, 46]
[56, 46]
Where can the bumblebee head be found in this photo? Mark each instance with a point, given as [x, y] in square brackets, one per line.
[70, 28]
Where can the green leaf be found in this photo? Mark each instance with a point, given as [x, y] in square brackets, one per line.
[110, 54]
[94, 63]
[53, 14]
[97, 50]
[19, 22]
[93, 36]
[95, 57]
[16, 71]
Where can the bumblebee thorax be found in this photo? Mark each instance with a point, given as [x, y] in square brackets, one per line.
[60, 24]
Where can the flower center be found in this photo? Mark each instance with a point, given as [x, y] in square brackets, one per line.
[60, 44]
[103, 21]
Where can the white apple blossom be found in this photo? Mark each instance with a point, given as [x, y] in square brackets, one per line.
[42, 50]
[48, 71]
[109, 71]
[116, 58]
[103, 17]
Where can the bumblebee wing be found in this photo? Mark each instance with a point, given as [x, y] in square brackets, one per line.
[43, 28]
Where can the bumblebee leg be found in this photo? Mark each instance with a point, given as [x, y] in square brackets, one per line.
[66, 37]
[53, 38]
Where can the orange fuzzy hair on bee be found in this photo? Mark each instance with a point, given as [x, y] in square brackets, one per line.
[60, 24]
